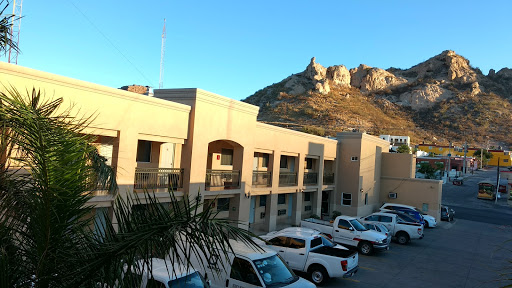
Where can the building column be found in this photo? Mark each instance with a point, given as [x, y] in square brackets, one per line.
[271, 212]
[297, 208]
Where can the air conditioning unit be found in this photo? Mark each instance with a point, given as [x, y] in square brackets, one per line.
[392, 195]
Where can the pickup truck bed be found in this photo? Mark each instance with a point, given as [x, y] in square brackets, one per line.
[324, 250]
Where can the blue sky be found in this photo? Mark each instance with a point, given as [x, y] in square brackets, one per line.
[235, 48]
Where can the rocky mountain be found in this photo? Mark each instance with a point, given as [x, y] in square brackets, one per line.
[443, 99]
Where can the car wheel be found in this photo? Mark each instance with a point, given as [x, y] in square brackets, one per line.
[426, 224]
[317, 274]
[365, 248]
[402, 238]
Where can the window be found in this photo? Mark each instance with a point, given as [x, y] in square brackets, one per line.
[283, 162]
[316, 242]
[226, 157]
[309, 163]
[242, 270]
[365, 198]
[278, 241]
[144, 151]
[386, 219]
[281, 199]
[505, 160]
[346, 199]
[263, 200]
[372, 218]
[354, 158]
[307, 196]
[264, 160]
[281, 212]
[223, 204]
[343, 224]
[296, 243]
[307, 208]
[425, 207]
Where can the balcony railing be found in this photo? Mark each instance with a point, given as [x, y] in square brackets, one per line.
[328, 178]
[262, 178]
[229, 179]
[310, 178]
[287, 178]
[153, 178]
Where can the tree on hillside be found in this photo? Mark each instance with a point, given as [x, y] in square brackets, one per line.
[5, 25]
[47, 167]
[403, 149]
[486, 155]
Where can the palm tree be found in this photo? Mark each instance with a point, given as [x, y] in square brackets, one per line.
[5, 28]
[46, 239]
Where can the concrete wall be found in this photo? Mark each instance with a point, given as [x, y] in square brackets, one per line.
[414, 192]
[361, 177]
[398, 165]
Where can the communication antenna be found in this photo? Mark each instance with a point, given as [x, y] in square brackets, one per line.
[15, 31]
[162, 53]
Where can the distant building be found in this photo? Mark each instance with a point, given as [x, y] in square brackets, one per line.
[396, 141]
[502, 156]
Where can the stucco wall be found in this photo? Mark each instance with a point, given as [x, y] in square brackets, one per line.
[414, 192]
[398, 165]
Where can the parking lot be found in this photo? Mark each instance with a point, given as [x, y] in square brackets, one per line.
[475, 250]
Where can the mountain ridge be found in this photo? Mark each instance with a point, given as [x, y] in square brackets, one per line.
[443, 99]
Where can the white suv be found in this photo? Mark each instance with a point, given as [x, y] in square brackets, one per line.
[430, 221]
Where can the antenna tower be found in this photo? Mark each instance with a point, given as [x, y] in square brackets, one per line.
[162, 53]
[15, 30]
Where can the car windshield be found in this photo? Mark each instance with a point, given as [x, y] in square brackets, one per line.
[194, 280]
[406, 218]
[383, 229]
[357, 225]
[274, 272]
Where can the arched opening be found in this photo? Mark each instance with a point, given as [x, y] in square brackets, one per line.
[224, 165]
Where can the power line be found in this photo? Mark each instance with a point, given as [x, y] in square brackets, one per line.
[111, 43]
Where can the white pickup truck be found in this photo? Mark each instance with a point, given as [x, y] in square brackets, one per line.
[349, 231]
[402, 230]
[310, 251]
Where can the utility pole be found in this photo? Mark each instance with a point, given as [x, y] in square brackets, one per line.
[481, 157]
[497, 183]
[465, 152]
[449, 160]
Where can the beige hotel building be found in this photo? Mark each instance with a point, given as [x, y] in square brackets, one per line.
[202, 144]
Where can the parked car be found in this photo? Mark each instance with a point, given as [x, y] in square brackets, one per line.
[410, 211]
[248, 267]
[429, 221]
[163, 274]
[379, 228]
[403, 231]
[447, 213]
[349, 231]
[310, 251]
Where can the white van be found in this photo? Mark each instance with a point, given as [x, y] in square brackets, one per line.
[248, 267]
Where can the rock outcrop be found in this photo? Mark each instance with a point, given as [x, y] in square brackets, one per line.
[424, 97]
[369, 79]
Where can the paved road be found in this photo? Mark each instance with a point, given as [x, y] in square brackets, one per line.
[471, 251]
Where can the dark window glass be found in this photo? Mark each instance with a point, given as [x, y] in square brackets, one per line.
[296, 243]
[242, 270]
[281, 199]
[309, 163]
[226, 157]
[316, 242]
[343, 224]
[372, 218]
[263, 200]
[223, 204]
[264, 160]
[307, 196]
[347, 199]
[278, 241]
[386, 219]
[284, 161]
[144, 151]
